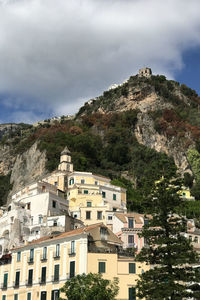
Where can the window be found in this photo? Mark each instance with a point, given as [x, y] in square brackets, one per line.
[58, 250]
[55, 295]
[130, 222]
[89, 204]
[30, 277]
[99, 215]
[130, 240]
[43, 295]
[43, 275]
[29, 205]
[4, 297]
[96, 182]
[146, 221]
[103, 233]
[29, 296]
[72, 269]
[85, 191]
[102, 267]
[109, 217]
[131, 268]
[82, 181]
[15, 296]
[44, 253]
[196, 239]
[131, 293]
[88, 215]
[18, 256]
[114, 209]
[5, 280]
[55, 223]
[31, 255]
[190, 238]
[9, 208]
[104, 194]
[114, 196]
[56, 183]
[54, 204]
[17, 277]
[72, 247]
[40, 219]
[56, 272]
[71, 181]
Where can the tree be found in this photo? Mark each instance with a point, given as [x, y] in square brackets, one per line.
[169, 253]
[90, 287]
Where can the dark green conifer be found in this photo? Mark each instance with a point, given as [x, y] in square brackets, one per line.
[174, 273]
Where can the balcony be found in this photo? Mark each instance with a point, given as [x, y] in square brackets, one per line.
[29, 282]
[56, 255]
[4, 286]
[42, 281]
[30, 260]
[72, 252]
[43, 258]
[55, 279]
[16, 285]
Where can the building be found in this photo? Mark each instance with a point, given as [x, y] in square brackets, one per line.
[37, 270]
[145, 72]
[92, 198]
[128, 227]
[35, 211]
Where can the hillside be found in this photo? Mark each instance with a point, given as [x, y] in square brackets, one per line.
[133, 133]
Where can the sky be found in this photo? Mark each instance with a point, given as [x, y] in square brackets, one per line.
[56, 55]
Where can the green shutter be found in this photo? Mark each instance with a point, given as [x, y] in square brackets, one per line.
[15, 296]
[55, 294]
[72, 269]
[102, 267]
[30, 276]
[56, 272]
[17, 278]
[4, 297]
[132, 294]
[5, 280]
[43, 274]
[132, 268]
[29, 296]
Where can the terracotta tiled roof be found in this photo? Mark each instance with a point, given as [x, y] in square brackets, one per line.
[136, 216]
[64, 234]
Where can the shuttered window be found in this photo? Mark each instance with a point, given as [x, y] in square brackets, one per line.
[17, 276]
[131, 294]
[72, 269]
[132, 268]
[5, 280]
[55, 294]
[56, 272]
[43, 275]
[28, 296]
[102, 267]
[30, 277]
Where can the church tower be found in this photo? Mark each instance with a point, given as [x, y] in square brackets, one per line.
[65, 161]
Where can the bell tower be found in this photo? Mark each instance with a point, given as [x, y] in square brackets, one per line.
[65, 161]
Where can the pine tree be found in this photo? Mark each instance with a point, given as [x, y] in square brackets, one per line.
[173, 274]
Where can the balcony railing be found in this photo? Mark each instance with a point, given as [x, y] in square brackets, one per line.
[56, 255]
[55, 278]
[42, 280]
[29, 282]
[71, 251]
[16, 285]
[4, 286]
[43, 258]
[30, 260]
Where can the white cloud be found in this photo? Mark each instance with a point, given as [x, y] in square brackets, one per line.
[53, 53]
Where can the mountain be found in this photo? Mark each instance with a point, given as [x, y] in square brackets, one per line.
[134, 133]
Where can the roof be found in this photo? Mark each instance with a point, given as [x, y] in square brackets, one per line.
[65, 151]
[122, 217]
[82, 230]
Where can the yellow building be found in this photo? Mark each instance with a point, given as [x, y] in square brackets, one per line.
[91, 197]
[38, 269]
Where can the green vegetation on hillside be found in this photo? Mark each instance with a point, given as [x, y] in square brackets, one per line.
[5, 187]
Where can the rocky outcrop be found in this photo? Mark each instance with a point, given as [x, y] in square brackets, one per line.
[148, 136]
[7, 160]
[28, 167]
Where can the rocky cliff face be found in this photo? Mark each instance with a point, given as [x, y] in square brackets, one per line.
[28, 167]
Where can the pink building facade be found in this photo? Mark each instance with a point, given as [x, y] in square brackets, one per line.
[128, 227]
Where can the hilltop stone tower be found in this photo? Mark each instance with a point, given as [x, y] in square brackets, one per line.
[145, 72]
[65, 161]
